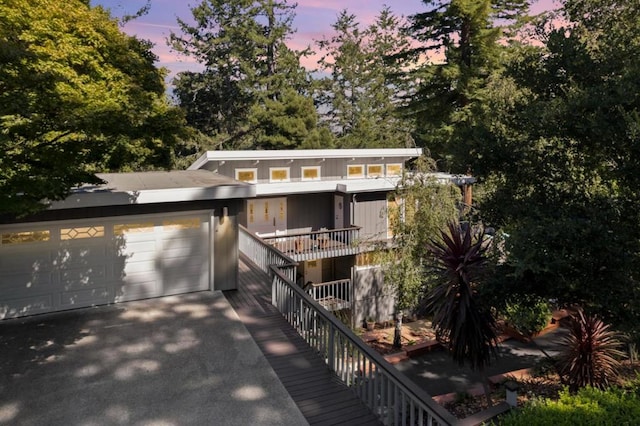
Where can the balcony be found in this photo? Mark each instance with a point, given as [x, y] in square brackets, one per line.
[321, 244]
[332, 295]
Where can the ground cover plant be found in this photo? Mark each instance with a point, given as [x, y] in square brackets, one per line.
[589, 406]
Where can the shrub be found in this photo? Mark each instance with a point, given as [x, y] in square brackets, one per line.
[529, 315]
[590, 406]
[590, 353]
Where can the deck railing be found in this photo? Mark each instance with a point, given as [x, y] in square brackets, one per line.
[265, 255]
[332, 295]
[387, 392]
[390, 395]
[318, 244]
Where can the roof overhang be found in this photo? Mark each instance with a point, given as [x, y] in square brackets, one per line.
[304, 154]
[348, 186]
[345, 186]
[155, 187]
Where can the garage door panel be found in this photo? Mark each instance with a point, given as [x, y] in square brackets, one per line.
[137, 286]
[78, 278]
[19, 262]
[17, 307]
[184, 238]
[82, 298]
[138, 267]
[25, 283]
[71, 260]
[140, 257]
[182, 285]
[183, 253]
[46, 267]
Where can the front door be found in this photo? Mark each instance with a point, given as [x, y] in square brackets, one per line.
[338, 212]
[267, 216]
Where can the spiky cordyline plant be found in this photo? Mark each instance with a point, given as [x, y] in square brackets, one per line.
[591, 353]
[458, 315]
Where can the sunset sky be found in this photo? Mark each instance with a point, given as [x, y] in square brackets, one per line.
[313, 21]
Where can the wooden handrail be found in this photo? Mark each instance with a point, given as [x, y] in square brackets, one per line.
[391, 395]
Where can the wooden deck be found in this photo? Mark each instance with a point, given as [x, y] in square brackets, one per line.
[321, 397]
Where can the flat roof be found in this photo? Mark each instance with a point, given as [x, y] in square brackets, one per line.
[302, 154]
[155, 187]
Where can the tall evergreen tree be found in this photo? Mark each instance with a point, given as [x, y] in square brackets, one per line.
[360, 96]
[460, 46]
[247, 67]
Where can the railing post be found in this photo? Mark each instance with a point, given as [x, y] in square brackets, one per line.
[331, 356]
[274, 292]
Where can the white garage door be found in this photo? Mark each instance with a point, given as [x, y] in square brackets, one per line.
[54, 266]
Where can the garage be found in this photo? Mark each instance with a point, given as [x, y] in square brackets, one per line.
[53, 265]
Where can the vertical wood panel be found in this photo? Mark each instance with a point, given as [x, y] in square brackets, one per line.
[370, 213]
[309, 211]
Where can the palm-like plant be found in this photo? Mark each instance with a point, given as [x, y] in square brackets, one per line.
[591, 353]
[468, 327]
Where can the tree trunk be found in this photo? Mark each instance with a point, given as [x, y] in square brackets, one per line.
[397, 332]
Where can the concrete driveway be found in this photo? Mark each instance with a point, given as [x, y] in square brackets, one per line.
[182, 360]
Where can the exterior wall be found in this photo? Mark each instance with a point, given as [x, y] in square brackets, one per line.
[370, 213]
[305, 212]
[342, 267]
[225, 233]
[371, 298]
[225, 253]
[330, 169]
[309, 212]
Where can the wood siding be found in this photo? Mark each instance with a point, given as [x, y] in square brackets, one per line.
[305, 212]
[372, 299]
[330, 169]
[309, 212]
[370, 213]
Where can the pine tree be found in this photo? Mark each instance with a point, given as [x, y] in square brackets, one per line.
[247, 67]
[361, 94]
[461, 42]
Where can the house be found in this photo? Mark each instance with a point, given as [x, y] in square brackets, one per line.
[326, 209]
[136, 236]
[150, 234]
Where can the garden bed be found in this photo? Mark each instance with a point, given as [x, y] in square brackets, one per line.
[543, 386]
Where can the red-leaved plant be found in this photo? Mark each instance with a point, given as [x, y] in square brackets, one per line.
[591, 353]
[459, 316]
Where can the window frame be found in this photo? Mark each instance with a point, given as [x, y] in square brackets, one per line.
[389, 174]
[275, 169]
[305, 179]
[375, 175]
[361, 175]
[253, 170]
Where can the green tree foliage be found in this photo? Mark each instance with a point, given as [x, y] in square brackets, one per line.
[461, 43]
[250, 77]
[77, 96]
[361, 96]
[420, 208]
[527, 314]
[561, 159]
